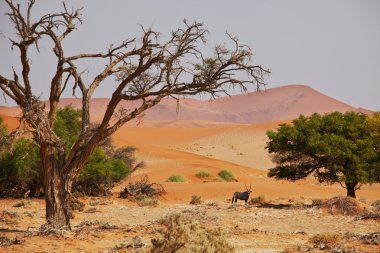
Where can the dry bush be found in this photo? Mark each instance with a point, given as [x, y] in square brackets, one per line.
[326, 238]
[259, 200]
[196, 200]
[343, 205]
[22, 203]
[317, 202]
[5, 241]
[212, 204]
[8, 217]
[144, 188]
[376, 205]
[180, 233]
[143, 200]
[92, 188]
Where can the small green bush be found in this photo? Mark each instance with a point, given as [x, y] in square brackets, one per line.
[226, 175]
[196, 200]
[99, 174]
[203, 174]
[177, 178]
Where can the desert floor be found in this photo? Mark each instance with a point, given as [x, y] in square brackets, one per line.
[109, 222]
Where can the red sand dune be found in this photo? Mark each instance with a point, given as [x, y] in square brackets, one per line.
[286, 102]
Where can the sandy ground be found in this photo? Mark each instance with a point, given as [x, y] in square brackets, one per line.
[248, 228]
[238, 148]
[186, 151]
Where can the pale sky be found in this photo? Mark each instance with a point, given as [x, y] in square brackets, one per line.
[332, 46]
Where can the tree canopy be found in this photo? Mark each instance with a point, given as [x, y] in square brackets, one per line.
[145, 69]
[335, 148]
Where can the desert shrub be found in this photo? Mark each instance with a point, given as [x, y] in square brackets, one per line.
[317, 202]
[203, 174]
[226, 175]
[180, 233]
[212, 204]
[20, 172]
[142, 188]
[325, 238]
[196, 200]
[143, 200]
[100, 174]
[343, 205]
[376, 205]
[177, 178]
[259, 200]
[22, 203]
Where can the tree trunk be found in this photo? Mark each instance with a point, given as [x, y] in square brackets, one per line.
[55, 187]
[350, 186]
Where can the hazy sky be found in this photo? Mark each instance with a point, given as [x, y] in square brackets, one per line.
[332, 46]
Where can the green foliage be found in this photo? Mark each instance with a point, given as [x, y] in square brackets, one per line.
[101, 169]
[20, 169]
[177, 178]
[203, 174]
[3, 135]
[335, 147]
[226, 175]
[68, 124]
[181, 233]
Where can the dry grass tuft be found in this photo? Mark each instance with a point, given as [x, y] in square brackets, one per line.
[180, 233]
[343, 205]
[143, 200]
[259, 200]
[196, 200]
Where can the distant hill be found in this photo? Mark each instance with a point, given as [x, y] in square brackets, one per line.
[286, 102]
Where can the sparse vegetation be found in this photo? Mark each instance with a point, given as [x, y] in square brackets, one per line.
[181, 233]
[317, 202]
[142, 188]
[196, 200]
[376, 205]
[203, 174]
[227, 175]
[325, 238]
[259, 200]
[22, 203]
[343, 205]
[177, 178]
[143, 200]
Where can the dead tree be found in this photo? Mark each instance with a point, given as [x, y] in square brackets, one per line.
[145, 70]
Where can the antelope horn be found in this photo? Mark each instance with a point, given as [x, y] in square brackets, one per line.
[250, 186]
[246, 187]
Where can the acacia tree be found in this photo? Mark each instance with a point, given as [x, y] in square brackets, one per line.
[145, 70]
[336, 148]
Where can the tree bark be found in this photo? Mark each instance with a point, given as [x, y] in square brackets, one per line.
[351, 188]
[56, 190]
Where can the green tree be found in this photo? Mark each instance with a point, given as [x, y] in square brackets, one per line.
[147, 70]
[3, 134]
[20, 169]
[68, 125]
[334, 147]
